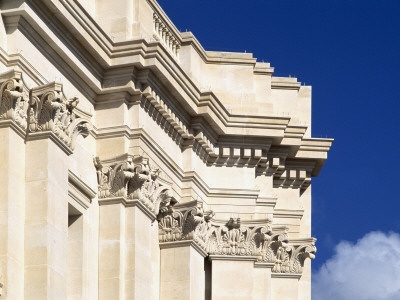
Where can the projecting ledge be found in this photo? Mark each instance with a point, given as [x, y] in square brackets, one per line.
[232, 258]
[128, 203]
[179, 244]
[263, 265]
[285, 275]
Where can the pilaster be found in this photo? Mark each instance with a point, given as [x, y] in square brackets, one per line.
[182, 271]
[232, 277]
[53, 128]
[130, 198]
[183, 235]
[262, 283]
[13, 122]
[46, 222]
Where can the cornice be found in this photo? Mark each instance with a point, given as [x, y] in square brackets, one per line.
[49, 135]
[179, 244]
[286, 172]
[232, 258]
[11, 124]
[98, 55]
[274, 165]
[128, 203]
[288, 213]
[81, 185]
[286, 275]
[18, 61]
[188, 39]
[263, 265]
[285, 83]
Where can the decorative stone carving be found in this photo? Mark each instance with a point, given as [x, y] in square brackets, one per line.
[51, 111]
[133, 179]
[269, 248]
[290, 258]
[13, 98]
[235, 239]
[190, 224]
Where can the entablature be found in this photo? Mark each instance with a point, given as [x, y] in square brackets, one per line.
[148, 74]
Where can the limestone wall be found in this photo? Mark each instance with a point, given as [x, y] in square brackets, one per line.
[137, 165]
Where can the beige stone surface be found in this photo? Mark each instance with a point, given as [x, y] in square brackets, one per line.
[285, 288]
[12, 213]
[232, 279]
[46, 221]
[134, 164]
[182, 273]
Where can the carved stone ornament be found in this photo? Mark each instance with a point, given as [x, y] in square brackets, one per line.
[236, 239]
[133, 179]
[50, 111]
[189, 224]
[290, 258]
[14, 99]
[233, 239]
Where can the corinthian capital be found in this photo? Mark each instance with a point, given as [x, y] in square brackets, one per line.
[132, 178]
[51, 111]
[235, 239]
[186, 223]
[290, 258]
[13, 98]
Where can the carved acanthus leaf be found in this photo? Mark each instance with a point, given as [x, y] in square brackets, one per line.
[290, 258]
[13, 98]
[186, 224]
[236, 239]
[51, 111]
[133, 179]
[269, 248]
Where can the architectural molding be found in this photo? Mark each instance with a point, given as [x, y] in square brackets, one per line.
[232, 257]
[226, 133]
[184, 243]
[79, 191]
[206, 109]
[286, 275]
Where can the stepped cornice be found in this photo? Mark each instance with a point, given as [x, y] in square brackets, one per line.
[91, 58]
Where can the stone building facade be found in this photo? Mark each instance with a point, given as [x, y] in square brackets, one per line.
[137, 165]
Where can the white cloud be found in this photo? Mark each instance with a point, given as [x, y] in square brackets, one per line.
[366, 270]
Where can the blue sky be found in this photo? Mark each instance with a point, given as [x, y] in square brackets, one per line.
[349, 51]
